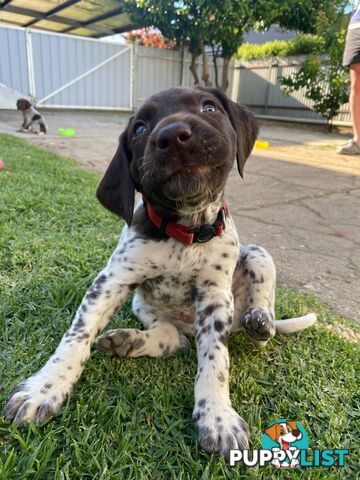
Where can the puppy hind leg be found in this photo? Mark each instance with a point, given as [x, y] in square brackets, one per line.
[161, 340]
[254, 293]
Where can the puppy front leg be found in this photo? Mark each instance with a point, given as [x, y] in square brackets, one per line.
[220, 427]
[24, 127]
[41, 395]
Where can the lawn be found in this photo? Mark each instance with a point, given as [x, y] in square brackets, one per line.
[131, 418]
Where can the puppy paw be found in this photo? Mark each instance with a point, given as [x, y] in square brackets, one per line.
[121, 343]
[36, 398]
[220, 428]
[258, 325]
[136, 343]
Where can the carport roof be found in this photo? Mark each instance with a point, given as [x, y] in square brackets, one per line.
[89, 18]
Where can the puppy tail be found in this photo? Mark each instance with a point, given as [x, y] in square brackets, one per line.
[292, 325]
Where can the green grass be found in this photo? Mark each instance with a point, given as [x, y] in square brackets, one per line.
[131, 419]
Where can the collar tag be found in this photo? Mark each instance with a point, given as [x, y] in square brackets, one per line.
[204, 233]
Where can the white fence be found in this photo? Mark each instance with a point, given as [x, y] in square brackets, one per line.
[66, 71]
[157, 69]
[260, 89]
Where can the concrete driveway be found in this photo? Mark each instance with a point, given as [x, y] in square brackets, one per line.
[298, 199]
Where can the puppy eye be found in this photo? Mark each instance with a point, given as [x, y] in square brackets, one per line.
[140, 128]
[208, 107]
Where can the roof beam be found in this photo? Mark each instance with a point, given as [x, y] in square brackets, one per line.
[4, 3]
[57, 9]
[56, 18]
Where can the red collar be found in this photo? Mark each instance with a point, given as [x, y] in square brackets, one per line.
[188, 235]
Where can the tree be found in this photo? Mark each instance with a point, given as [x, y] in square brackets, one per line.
[179, 21]
[219, 24]
[323, 78]
[302, 15]
[233, 19]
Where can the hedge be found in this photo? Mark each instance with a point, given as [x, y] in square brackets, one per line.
[302, 44]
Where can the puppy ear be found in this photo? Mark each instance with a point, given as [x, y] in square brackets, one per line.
[246, 128]
[244, 124]
[116, 191]
[272, 432]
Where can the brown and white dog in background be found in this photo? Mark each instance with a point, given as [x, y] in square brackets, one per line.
[33, 120]
[181, 256]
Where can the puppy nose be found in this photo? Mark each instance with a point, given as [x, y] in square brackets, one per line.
[174, 135]
[296, 433]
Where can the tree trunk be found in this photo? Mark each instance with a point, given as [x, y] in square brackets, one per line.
[192, 68]
[225, 73]
[215, 57]
[205, 67]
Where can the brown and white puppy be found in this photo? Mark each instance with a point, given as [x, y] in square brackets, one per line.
[34, 121]
[177, 151]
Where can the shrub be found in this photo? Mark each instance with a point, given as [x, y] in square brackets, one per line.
[302, 44]
[325, 81]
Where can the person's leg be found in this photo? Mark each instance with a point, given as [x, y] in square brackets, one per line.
[351, 58]
[352, 147]
[354, 100]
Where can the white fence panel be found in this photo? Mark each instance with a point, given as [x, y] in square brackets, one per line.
[14, 74]
[155, 70]
[158, 69]
[260, 89]
[66, 71]
[76, 69]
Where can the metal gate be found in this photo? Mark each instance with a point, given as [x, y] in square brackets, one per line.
[65, 71]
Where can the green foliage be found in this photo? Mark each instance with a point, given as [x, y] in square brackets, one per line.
[230, 19]
[183, 22]
[302, 44]
[325, 81]
[197, 23]
[301, 15]
[130, 419]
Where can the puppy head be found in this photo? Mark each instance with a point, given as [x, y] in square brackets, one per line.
[280, 430]
[178, 151]
[23, 104]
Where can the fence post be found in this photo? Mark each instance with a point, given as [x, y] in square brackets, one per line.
[133, 76]
[235, 84]
[30, 63]
[268, 86]
[183, 67]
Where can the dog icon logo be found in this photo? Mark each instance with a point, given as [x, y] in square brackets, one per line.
[285, 438]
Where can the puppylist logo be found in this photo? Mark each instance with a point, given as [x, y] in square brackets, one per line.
[285, 444]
